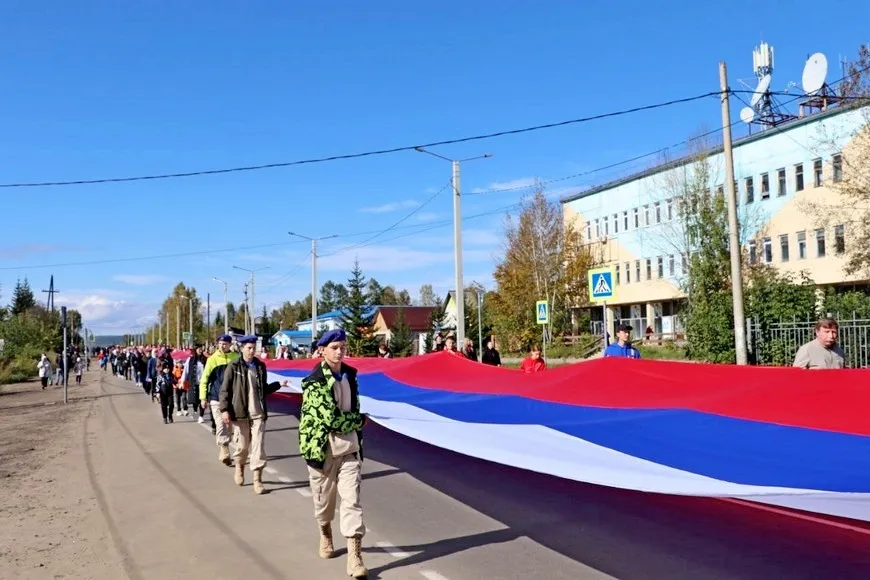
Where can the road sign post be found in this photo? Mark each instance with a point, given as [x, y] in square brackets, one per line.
[542, 315]
[186, 336]
[601, 289]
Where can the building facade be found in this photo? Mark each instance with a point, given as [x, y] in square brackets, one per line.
[780, 172]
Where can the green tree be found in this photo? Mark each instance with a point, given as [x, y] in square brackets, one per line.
[357, 320]
[426, 295]
[435, 323]
[22, 298]
[401, 341]
[219, 322]
[374, 292]
[849, 304]
[332, 297]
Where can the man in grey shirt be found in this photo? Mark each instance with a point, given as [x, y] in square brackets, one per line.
[823, 352]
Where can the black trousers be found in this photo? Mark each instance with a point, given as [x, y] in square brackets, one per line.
[166, 404]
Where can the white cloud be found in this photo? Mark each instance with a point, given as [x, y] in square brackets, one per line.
[108, 312]
[488, 238]
[139, 279]
[520, 183]
[391, 207]
[427, 216]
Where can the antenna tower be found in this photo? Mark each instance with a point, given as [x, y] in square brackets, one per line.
[763, 109]
[49, 305]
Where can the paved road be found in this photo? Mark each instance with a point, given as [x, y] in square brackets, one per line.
[174, 512]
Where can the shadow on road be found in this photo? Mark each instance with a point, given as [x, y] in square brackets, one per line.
[626, 534]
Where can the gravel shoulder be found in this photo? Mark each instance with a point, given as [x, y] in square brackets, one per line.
[51, 524]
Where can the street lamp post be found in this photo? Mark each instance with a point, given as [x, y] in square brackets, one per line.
[457, 238]
[251, 308]
[190, 316]
[313, 279]
[226, 317]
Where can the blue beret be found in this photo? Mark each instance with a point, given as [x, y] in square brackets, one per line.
[337, 335]
[249, 339]
[225, 338]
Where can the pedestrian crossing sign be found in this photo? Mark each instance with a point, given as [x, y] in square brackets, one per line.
[600, 284]
[542, 312]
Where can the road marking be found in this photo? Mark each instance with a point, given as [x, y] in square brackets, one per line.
[432, 575]
[303, 491]
[285, 479]
[392, 550]
[270, 470]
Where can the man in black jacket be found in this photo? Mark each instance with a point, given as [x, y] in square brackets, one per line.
[242, 404]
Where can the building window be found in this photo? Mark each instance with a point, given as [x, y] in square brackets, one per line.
[817, 173]
[684, 264]
[669, 204]
[750, 190]
[606, 226]
[820, 243]
[627, 273]
[783, 247]
[658, 207]
[837, 166]
[660, 263]
[780, 182]
[802, 245]
[839, 239]
[615, 224]
[617, 274]
[799, 177]
[588, 231]
[646, 215]
[636, 218]
[597, 230]
[768, 250]
[671, 265]
[637, 270]
[625, 221]
[765, 186]
[753, 254]
[648, 269]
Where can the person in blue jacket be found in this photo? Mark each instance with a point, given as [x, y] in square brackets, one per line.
[622, 347]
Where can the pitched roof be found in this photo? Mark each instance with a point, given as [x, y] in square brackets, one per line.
[416, 317]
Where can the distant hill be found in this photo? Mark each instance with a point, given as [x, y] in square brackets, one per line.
[107, 340]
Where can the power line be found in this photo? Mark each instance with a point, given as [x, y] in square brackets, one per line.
[365, 153]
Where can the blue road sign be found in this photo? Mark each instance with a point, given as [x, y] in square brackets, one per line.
[600, 284]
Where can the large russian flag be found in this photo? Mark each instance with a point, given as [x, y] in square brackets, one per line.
[782, 436]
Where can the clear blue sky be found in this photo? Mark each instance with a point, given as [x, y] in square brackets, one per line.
[105, 89]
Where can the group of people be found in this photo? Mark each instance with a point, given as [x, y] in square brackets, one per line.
[62, 363]
[232, 384]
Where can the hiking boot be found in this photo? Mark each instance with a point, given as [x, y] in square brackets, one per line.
[327, 549]
[355, 566]
[224, 455]
[240, 474]
[258, 481]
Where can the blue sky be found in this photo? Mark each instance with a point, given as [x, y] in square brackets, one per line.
[106, 89]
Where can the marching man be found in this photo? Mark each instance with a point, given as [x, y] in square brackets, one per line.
[330, 441]
[242, 404]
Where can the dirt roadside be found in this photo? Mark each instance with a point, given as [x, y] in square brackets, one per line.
[51, 525]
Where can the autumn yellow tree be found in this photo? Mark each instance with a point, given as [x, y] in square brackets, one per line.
[544, 259]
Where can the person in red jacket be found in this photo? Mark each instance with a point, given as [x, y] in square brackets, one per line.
[534, 362]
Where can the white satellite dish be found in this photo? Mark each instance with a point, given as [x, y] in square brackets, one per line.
[747, 114]
[763, 87]
[815, 72]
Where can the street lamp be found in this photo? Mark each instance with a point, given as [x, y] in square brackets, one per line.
[313, 279]
[226, 317]
[479, 290]
[457, 238]
[250, 307]
[190, 316]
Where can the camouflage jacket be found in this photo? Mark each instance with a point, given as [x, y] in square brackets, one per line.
[321, 416]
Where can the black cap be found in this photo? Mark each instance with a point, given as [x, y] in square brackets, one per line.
[623, 328]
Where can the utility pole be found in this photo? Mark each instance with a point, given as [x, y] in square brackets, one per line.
[226, 301]
[63, 356]
[190, 321]
[245, 290]
[250, 307]
[313, 279]
[208, 317]
[733, 226]
[51, 292]
[457, 240]
[177, 322]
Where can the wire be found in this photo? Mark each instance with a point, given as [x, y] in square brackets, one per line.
[393, 226]
[365, 153]
[280, 280]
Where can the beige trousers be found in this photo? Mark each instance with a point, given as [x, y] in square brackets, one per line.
[341, 476]
[248, 441]
[222, 432]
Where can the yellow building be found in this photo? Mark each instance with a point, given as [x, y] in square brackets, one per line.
[782, 173]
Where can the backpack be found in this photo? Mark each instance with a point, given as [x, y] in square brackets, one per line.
[163, 383]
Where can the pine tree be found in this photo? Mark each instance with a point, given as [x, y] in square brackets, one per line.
[401, 340]
[436, 321]
[219, 322]
[22, 297]
[357, 321]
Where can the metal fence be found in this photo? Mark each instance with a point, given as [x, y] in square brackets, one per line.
[776, 343]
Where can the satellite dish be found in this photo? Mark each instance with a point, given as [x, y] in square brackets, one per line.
[747, 114]
[763, 87]
[815, 72]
